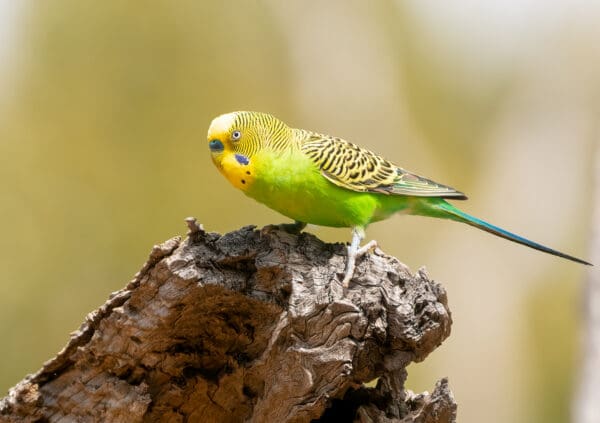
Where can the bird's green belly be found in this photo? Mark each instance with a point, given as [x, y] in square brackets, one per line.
[295, 188]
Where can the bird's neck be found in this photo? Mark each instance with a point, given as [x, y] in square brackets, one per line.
[285, 139]
[301, 136]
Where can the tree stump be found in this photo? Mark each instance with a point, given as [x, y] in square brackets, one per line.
[250, 326]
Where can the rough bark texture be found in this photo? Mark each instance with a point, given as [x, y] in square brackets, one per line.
[249, 326]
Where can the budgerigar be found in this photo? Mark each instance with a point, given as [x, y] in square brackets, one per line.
[324, 180]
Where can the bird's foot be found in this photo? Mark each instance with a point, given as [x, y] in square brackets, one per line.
[371, 245]
[355, 252]
[292, 228]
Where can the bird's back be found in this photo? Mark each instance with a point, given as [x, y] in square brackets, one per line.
[355, 168]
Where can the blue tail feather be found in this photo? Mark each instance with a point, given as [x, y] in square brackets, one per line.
[451, 212]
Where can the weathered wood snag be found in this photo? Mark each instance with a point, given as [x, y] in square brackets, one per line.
[250, 326]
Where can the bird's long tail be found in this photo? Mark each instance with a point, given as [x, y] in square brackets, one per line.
[446, 210]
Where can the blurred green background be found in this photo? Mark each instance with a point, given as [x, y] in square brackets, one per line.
[104, 108]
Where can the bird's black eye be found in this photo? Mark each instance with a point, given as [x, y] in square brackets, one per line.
[236, 135]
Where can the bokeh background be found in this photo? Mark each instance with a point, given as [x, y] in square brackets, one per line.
[104, 108]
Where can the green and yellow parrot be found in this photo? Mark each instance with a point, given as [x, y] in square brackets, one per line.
[327, 181]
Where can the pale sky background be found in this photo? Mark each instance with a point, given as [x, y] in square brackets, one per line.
[9, 11]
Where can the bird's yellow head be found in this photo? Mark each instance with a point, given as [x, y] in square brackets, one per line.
[235, 138]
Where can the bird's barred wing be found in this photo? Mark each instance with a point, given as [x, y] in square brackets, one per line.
[352, 167]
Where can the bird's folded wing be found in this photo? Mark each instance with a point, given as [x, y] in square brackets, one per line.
[352, 167]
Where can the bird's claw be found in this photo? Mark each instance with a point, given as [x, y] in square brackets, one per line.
[354, 251]
[292, 228]
[371, 245]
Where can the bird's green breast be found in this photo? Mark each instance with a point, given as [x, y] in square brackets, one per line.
[290, 183]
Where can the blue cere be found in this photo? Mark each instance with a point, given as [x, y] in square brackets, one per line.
[216, 145]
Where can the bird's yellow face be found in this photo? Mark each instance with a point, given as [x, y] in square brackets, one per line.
[233, 140]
